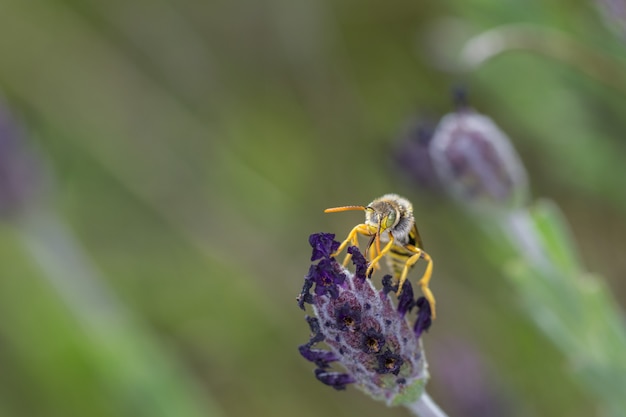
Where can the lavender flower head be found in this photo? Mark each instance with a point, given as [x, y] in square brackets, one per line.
[370, 337]
[476, 162]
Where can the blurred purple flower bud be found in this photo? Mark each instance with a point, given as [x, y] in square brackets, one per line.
[411, 155]
[614, 15]
[476, 162]
[373, 340]
[20, 169]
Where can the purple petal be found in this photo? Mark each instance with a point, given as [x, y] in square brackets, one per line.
[323, 245]
[314, 324]
[305, 295]
[359, 262]
[320, 357]
[388, 285]
[406, 301]
[335, 379]
[424, 320]
[326, 275]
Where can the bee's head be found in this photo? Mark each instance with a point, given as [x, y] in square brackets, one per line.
[380, 216]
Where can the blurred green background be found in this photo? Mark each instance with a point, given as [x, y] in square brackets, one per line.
[192, 148]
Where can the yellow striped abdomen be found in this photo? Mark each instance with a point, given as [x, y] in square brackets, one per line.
[396, 260]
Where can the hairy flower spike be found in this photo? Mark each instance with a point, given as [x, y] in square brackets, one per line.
[373, 340]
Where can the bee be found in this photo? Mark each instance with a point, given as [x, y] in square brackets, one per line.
[389, 219]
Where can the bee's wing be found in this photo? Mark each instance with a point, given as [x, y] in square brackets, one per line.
[415, 238]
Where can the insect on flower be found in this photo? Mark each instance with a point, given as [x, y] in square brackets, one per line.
[389, 219]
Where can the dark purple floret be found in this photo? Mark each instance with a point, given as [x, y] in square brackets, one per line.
[372, 341]
[389, 363]
[335, 379]
[314, 324]
[359, 262]
[388, 285]
[348, 317]
[305, 295]
[322, 358]
[424, 320]
[323, 245]
[406, 302]
[326, 276]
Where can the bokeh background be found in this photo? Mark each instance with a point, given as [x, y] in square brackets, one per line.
[186, 149]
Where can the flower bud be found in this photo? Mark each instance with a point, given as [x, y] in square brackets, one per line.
[613, 13]
[476, 162]
[20, 171]
[411, 155]
[373, 340]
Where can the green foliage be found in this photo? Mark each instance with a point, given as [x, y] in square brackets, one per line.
[574, 309]
[193, 146]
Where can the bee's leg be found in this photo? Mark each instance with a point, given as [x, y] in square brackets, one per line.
[352, 238]
[372, 259]
[382, 253]
[371, 252]
[424, 281]
[354, 242]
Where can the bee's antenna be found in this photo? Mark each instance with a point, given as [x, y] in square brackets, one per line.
[343, 208]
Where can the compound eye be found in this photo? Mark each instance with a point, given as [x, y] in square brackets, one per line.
[391, 219]
[370, 216]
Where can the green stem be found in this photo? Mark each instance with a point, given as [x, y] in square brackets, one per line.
[69, 270]
[547, 42]
[130, 362]
[573, 308]
[425, 407]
